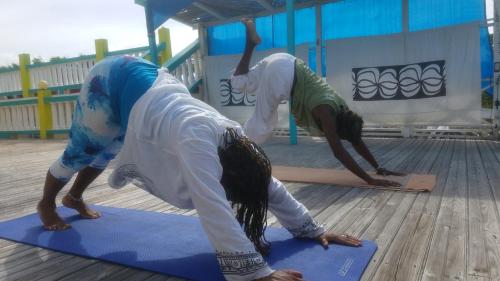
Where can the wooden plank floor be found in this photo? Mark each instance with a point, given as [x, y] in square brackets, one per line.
[452, 233]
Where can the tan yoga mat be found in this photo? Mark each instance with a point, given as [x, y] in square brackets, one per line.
[410, 182]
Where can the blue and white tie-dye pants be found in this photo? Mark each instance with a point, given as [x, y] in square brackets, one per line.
[101, 114]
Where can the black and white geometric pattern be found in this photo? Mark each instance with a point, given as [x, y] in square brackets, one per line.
[306, 229]
[233, 98]
[240, 263]
[400, 82]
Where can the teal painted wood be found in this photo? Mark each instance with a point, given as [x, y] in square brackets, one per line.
[60, 98]
[159, 48]
[181, 57]
[195, 86]
[153, 49]
[128, 51]
[9, 70]
[9, 134]
[24, 101]
[65, 87]
[58, 131]
[66, 60]
[11, 94]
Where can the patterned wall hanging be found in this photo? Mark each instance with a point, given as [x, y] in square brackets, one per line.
[232, 98]
[400, 82]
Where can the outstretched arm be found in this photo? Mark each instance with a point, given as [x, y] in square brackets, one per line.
[202, 171]
[295, 217]
[363, 150]
[323, 114]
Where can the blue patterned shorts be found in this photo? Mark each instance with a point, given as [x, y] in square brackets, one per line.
[96, 134]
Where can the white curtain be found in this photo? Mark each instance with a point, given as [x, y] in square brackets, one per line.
[429, 77]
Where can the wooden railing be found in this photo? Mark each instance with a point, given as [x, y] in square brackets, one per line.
[64, 73]
[50, 112]
[187, 66]
[10, 84]
[19, 116]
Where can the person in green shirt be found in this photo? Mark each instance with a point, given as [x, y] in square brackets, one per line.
[314, 104]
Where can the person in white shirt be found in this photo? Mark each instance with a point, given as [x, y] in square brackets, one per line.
[183, 151]
[314, 104]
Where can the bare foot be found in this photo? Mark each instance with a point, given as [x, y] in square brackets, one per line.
[49, 217]
[252, 35]
[80, 207]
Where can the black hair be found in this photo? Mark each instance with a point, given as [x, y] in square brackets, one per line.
[349, 126]
[245, 178]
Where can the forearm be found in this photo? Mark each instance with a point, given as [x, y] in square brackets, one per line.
[291, 214]
[343, 156]
[363, 150]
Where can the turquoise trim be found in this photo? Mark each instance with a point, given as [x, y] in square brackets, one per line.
[66, 87]
[60, 98]
[9, 70]
[195, 85]
[159, 48]
[127, 51]
[75, 59]
[8, 134]
[23, 101]
[58, 132]
[181, 57]
[9, 94]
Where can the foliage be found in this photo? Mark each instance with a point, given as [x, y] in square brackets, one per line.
[486, 100]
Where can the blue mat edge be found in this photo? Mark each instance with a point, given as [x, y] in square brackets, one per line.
[124, 264]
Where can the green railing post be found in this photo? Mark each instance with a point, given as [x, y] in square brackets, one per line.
[44, 110]
[164, 37]
[101, 49]
[153, 51]
[24, 61]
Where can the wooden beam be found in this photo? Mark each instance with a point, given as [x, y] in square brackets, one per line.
[209, 10]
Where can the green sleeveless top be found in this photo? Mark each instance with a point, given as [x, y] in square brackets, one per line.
[309, 91]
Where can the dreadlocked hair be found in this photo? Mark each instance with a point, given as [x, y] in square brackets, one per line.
[349, 126]
[245, 178]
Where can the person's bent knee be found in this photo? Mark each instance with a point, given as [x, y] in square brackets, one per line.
[62, 173]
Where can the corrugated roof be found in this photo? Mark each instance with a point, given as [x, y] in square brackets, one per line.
[216, 11]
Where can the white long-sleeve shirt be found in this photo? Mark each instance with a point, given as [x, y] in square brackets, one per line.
[271, 81]
[170, 150]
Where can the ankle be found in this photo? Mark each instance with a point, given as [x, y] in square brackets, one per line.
[74, 198]
[46, 203]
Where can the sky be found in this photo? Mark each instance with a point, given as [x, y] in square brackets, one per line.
[49, 28]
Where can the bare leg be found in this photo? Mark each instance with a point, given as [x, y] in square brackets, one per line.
[47, 206]
[252, 40]
[74, 197]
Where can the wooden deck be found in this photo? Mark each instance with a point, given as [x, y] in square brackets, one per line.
[451, 233]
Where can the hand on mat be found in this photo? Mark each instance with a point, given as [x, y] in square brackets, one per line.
[385, 172]
[284, 275]
[381, 182]
[342, 239]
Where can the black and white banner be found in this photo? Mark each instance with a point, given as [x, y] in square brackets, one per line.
[430, 77]
[400, 82]
[231, 97]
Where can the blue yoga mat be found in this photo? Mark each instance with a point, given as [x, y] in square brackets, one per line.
[176, 245]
